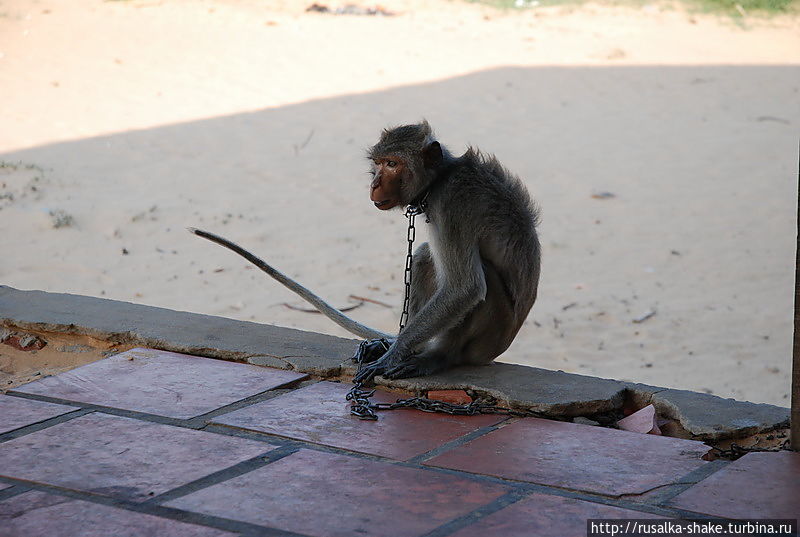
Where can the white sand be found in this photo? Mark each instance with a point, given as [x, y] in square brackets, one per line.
[249, 118]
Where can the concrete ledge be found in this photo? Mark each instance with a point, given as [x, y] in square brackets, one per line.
[191, 333]
[552, 393]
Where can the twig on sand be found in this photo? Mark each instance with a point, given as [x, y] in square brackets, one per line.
[297, 148]
[371, 300]
[311, 310]
[642, 318]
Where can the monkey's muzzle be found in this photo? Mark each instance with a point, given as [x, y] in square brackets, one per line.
[385, 204]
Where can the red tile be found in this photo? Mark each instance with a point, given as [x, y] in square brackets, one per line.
[16, 412]
[37, 513]
[320, 414]
[542, 515]
[328, 495]
[579, 457]
[161, 382]
[121, 457]
[759, 485]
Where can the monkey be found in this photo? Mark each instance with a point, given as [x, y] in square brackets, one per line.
[473, 284]
[476, 281]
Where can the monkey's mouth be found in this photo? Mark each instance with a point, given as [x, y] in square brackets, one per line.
[383, 204]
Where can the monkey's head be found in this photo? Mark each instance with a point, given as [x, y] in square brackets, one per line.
[404, 160]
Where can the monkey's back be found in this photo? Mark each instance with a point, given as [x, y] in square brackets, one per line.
[496, 208]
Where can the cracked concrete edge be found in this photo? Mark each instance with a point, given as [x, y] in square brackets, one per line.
[551, 393]
[177, 331]
[709, 417]
[303, 364]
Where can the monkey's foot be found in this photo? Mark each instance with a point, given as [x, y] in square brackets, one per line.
[371, 350]
[413, 368]
[388, 368]
[366, 372]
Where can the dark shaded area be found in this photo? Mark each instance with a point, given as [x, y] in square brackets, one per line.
[671, 139]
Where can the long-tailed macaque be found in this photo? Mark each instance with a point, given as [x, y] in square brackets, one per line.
[475, 282]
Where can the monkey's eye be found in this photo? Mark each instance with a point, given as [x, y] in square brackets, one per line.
[391, 164]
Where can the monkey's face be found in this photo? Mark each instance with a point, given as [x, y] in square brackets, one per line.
[387, 179]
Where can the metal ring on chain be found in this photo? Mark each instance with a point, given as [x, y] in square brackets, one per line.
[411, 212]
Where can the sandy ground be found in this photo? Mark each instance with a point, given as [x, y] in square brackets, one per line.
[62, 352]
[124, 122]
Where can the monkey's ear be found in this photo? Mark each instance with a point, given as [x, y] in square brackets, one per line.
[432, 155]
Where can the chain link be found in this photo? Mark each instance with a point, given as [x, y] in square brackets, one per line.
[360, 404]
[411, 212]
[735, 451]
[432, 405]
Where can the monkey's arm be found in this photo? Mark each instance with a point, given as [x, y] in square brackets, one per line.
[463, 285]
[354, 327]
[461, 288]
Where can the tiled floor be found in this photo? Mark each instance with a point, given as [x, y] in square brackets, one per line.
[16, 412]
[759, 485]
[121, 457]
[319, 414]
[38, 513]
[333, 495]
[162, 383]
[147, 461]
[545, 515]
[605, 461]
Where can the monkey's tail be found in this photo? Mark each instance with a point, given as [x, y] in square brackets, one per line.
[326, 309]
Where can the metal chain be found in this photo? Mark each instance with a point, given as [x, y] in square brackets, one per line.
[411, 212]
[432, 405]
[364, 409]
[360, 404]
[736, 451]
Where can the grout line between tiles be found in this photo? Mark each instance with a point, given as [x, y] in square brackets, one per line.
[161, 511]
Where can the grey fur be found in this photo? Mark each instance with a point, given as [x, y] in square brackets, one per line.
[474, 285]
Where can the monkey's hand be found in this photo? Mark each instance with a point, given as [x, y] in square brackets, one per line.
[393, 365]
[369, 370]
[371, 349]
[412, 366]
